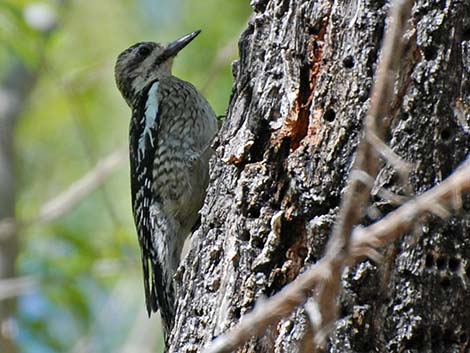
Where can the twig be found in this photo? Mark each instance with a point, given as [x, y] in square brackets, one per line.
[271, 310]
[70, 198]
[357, 193]
[402, 219]
[390, 156]
[362, 242]
[67, 200]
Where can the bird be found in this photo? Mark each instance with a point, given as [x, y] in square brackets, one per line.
[171, 130]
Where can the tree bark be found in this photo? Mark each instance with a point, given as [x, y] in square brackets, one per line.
[301, 91]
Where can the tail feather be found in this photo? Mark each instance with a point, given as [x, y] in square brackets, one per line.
[158, 271]
[160, 259]
[164, 296]
[158, 296]
[149, 288]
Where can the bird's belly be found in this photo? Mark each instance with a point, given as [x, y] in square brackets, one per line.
[180, 188]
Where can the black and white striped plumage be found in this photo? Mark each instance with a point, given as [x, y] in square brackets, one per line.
[171, 129]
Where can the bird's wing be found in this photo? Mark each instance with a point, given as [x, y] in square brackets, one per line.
[143, 140]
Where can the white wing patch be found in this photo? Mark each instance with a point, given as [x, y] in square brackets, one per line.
[151, 113]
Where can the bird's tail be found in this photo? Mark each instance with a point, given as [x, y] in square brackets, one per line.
[149, 287]
[159, 292]
[159, 270]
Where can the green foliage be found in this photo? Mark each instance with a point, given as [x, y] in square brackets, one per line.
[87, 263]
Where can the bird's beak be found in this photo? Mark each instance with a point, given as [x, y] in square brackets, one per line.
[174, 47]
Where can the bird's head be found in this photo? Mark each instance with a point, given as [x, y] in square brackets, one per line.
[145, 62]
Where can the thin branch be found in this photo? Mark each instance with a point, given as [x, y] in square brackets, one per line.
[271, 310]
[402, 219]
[379, 234]
[70, 198]
[390, 156]
[357, 193]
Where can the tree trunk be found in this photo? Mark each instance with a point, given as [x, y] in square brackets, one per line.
[300, 95]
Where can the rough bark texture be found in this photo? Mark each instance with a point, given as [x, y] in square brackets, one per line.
[300, 95]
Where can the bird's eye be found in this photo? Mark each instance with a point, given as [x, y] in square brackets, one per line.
[144, 50]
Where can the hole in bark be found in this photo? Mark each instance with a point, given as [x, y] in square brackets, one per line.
[344, 312]
[445, 282]
[253, 212]
[446, 134]
[315, 48]
[282, 9]
[245, 235]
[405, 116]
[466, 34]
[454, 264]
[436, 335]
[303, 252]
[237, 313]
[429, 262]
[448, 335]
[441, 263]
[260, 5]
[376, 198]
[257, 242]
[463, 337]
[259, 147]
[329, 115]
[416, 340]
[314, 30]
[434, 344]
[430, 52]
[348, 62]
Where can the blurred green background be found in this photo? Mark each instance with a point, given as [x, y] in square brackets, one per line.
[77, 280]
